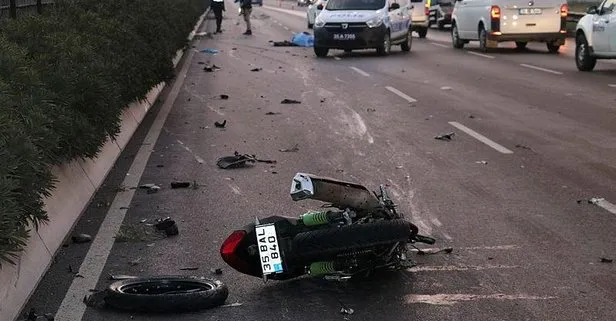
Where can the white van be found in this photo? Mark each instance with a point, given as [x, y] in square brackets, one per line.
[420, 17]
[363, 24]
[522, 21]
[595, 36]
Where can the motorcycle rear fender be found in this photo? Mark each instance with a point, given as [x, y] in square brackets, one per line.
[339, 193]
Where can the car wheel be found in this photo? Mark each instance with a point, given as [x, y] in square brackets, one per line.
[483, 39]
[521, 44]
[455, 37]
[408, 43]
[552, 47]
[321, 52]
[422, 32]
[385, 48]
[583, 60]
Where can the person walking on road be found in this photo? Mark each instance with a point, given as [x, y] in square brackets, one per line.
[218, 6]
[246, 11]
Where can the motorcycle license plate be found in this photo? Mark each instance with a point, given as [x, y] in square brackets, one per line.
[267, 241]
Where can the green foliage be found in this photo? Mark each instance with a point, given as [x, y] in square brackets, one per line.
[65, 78]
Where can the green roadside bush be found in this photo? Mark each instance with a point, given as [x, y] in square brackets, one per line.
[65, 78]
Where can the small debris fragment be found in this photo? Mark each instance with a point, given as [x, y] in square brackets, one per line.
[290, 150]
[31, 315]
[471, 116]
[167, 225]
[221, 125]
[285, 43]
[482, 162]
[370, 110]
[594, 200]
[270, 113]
[216, 271]
[446, 250]
[160, 165]
[224, 97]
[81, 238]
[124, 207]
[190, 268]
[200, 34]
[236, 304]
[49, 316]
[348, 311]
[290, 101]
[522, 146]
[201, 63]
[240, 160]
[120, 277]
[175, 185]
[150, 188]
[211, 68]
[447, 136]
[135, 262]
[233, 48]
[606, 260]
[95, 300]
[445, 88]
[256, 69]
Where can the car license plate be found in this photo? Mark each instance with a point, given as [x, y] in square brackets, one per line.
[267, 240]
[529, 11]
[344, 36]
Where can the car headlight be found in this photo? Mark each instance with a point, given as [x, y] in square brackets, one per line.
[374, 22]
[319, 23]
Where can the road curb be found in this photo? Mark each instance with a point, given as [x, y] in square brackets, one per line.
[78, 182]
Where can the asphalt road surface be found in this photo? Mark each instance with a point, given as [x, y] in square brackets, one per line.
[532, 136]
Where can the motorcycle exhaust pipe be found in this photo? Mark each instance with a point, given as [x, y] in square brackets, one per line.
[340, 194]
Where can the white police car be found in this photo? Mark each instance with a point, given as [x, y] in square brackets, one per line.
[595, 36]
[363, 24]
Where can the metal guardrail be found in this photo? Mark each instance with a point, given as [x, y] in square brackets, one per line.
[22, 6]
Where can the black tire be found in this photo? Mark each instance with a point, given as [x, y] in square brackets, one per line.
[153, 294]
[552, 47]
[408, 42]
[422, 32]
[326, 243]
[483, 39]
[385, 47]
[521, 45]
[455, 37]
[321, 52]
[583, 60]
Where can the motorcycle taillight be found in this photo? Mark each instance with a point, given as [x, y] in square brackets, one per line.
[228, 251]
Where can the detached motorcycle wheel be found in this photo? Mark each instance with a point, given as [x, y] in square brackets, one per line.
[166, 294]
[325, 243]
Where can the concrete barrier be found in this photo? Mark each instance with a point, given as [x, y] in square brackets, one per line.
[78, 181]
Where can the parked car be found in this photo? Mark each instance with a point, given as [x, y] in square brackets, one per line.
[303, 3]
[595, 36]
[313, 12]
[421, 12]
[522, 21]
[259, 2]
[440, 12]
[363, 24]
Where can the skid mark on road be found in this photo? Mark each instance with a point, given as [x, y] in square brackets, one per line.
[481, 138]
[450, 299]
[460, 268]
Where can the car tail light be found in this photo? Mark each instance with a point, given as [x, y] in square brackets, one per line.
[495, 14]
[228, 252]
[564, 12]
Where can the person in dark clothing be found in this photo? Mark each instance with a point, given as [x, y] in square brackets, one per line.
[218, 6]
[246, 11]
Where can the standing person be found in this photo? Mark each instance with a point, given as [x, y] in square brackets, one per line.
[218, 6]
[246, 10]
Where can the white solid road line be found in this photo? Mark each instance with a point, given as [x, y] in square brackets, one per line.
[439, 44]
[606, 205]
[287, 11]
[481, 138]
[72, 307]
[401, 94]
[449, 299]
[432, 268]
[542, 69]
[480, 54]
[359, 71]
[612, 85]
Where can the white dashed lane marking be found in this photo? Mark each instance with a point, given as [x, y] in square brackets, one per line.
[401, 94]
[481, 138]
[542, 69]
[361, 72]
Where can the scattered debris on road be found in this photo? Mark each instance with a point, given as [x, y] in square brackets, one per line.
[471, 116]
[81, 238]
[211, 51]
[175, 185]
[447, 136]
[239, 161]
[606, 260]
[190, 268]
[168, 226]
[348, 311]
[211, 68]
[370, 110]
[522, 146]
[482, 162]
[285, 43]
[290, 150]
[135, 262]
[270, 113]
[150, 188]
[224, 97]
[221, 125]
[33, 316]
[200, 34]
[446, 88]
[446, 250]
[256, 69]
[119, 277]
[216, 271]
[594, 200]
[290, 101]
[236, 304]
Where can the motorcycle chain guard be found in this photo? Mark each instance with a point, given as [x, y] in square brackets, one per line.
[340, 194]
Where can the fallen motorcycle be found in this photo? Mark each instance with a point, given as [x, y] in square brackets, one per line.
[364, 233]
